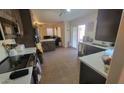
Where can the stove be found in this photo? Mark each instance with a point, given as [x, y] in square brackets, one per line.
[15, 63]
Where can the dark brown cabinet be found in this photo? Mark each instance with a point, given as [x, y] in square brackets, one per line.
[87, 74]
[28, 31]
[11, 23]
[108, 21]
[7, 14]
[17, 23]
[87, 49]
[91, 50]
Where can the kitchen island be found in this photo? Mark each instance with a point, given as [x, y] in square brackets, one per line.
[95, 62]
[48, 45]
[92, 68]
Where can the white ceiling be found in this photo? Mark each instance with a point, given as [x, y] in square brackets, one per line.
[59, 15]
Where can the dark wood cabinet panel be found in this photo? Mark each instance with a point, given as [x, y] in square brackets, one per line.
[108, 21]
[87, 50]
[21, 18]
[7, 14]
[91, 50]
[48, 46]
[18, 21]
[28, 31]
[11, 18]
[89, 76]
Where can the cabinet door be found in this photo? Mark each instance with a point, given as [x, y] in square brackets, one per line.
[28, 30]
[108, 21]
[7, 14]
[17, 17]
[90, 50]
[89, 76]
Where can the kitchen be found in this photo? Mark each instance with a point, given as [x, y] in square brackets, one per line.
[100, 63]
[96, 56]
[16, 28]
[18, 55]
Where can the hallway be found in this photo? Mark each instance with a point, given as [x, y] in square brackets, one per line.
[61, 67]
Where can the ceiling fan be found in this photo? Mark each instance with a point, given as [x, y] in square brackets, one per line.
[64, 11]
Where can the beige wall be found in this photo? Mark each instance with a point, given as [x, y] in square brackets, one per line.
[90, 22]
[43, 27]
[67, 34]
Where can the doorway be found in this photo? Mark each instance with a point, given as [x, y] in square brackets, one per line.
[75, 37]
[81, 32]
[78, 33]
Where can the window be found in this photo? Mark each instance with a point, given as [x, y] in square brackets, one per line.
[49, 31]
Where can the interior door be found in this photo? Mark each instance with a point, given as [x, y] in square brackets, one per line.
[75, 37]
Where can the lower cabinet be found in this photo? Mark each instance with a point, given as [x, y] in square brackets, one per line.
[89, 76]
[91, 50]
[87, 50]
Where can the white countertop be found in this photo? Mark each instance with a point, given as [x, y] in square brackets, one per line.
[95, 62]
[45, 40]
[91, 44]
[4, 78]
[25, 51]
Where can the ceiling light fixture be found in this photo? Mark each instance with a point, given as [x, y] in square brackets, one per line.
[64, 11]
[68, 10]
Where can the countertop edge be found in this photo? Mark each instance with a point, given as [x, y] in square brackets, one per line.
[83, 61]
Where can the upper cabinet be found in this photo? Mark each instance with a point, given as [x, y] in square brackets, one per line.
[7, 14]
[10, 23]
[28, 30]
[16, 15]
[108, 21]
